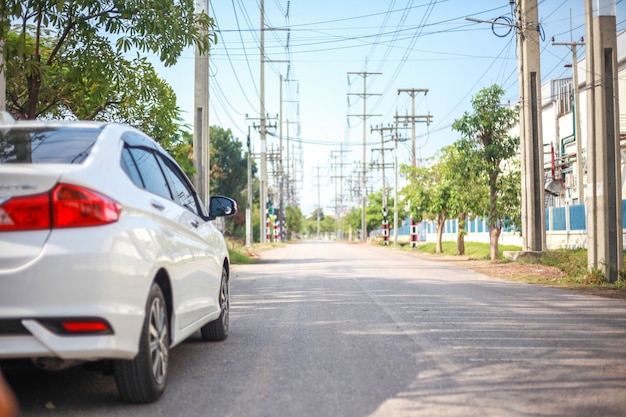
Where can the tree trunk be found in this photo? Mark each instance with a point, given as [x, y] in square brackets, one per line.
[494, 229]
[441, 220]
[460, 236]
[494, 237]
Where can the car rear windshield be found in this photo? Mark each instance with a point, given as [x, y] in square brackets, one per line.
[48, 145]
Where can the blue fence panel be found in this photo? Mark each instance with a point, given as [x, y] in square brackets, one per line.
[421, 231]
[558, 218]
[547, 219]
[577, 220]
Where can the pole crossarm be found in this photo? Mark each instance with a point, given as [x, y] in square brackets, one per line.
[413, 92]
[425, 118]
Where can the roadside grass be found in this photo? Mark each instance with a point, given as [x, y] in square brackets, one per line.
[572, 262]
[473, 250]
[239, 258]
[240, 254]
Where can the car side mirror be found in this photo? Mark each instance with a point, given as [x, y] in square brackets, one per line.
[220, 206]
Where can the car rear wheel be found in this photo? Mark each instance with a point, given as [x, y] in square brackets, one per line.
[217, 330]
[143, 379]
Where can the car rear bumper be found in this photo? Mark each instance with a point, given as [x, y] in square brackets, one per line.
[102, 278]
[36, 340]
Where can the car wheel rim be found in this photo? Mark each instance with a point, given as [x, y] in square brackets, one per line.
[158, 340]
[225, 300]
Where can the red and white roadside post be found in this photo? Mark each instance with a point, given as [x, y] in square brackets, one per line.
[413, 233]
[385, 227]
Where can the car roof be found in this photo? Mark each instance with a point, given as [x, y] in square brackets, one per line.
[141, 139]
[59, 123]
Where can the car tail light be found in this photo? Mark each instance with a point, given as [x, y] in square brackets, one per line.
[26, 213]
[74, 206]
[66, 206]
[77, 326]
[86, 326]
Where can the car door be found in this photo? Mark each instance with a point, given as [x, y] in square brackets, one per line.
[185, 251]
[205, 272]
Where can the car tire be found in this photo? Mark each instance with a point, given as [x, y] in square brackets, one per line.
[217, 330]
[143, 379]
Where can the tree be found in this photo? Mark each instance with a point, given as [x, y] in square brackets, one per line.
[468, 189]
[351, 222]
[181, 149]
[229, 173]
[486, 140]
[295, 220]
[374, 211]
[429, 194]
[312, 221]
[66, 58]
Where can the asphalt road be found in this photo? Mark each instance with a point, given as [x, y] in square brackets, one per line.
[329, 329]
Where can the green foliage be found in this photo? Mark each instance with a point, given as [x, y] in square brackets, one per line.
[327, 224]
[351, 220]
[229, 164]
[509, 195]
[229, 174]
[181, 149]
[486, 142]
[374, 211]
[572, 262]
[295, 220]
[67, 59]
[237, 257]
[594, 276]
[474, 250]
[468, 188]
[430, 193]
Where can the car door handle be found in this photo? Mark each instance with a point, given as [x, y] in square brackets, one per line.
[194, 223]
[157, 205]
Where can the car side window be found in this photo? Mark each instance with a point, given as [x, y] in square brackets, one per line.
[130, 168]
[183, 194]
[150, 171]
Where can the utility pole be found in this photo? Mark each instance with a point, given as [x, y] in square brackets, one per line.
[604, 214]
[422, 118]
[364, 116]
[413, 119]
[249, 203]
[263, 192]
[338, 180]
[3, 80]
[281, 173]
[396, 138]
[412, 92]
[576, 113]
[533, 216]
[201, 138]
[385, 224]
[290, 175]
[319, 202]
[382, 130]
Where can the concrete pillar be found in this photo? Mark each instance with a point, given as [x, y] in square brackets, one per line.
[3, 83]
[201, 117]
[604, 203]
[533, 215]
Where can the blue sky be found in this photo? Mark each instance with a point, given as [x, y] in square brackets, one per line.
[424, 44]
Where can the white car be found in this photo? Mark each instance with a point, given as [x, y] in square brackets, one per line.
[106, 252]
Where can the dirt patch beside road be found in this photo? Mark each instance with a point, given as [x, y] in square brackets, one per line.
[521, 271]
